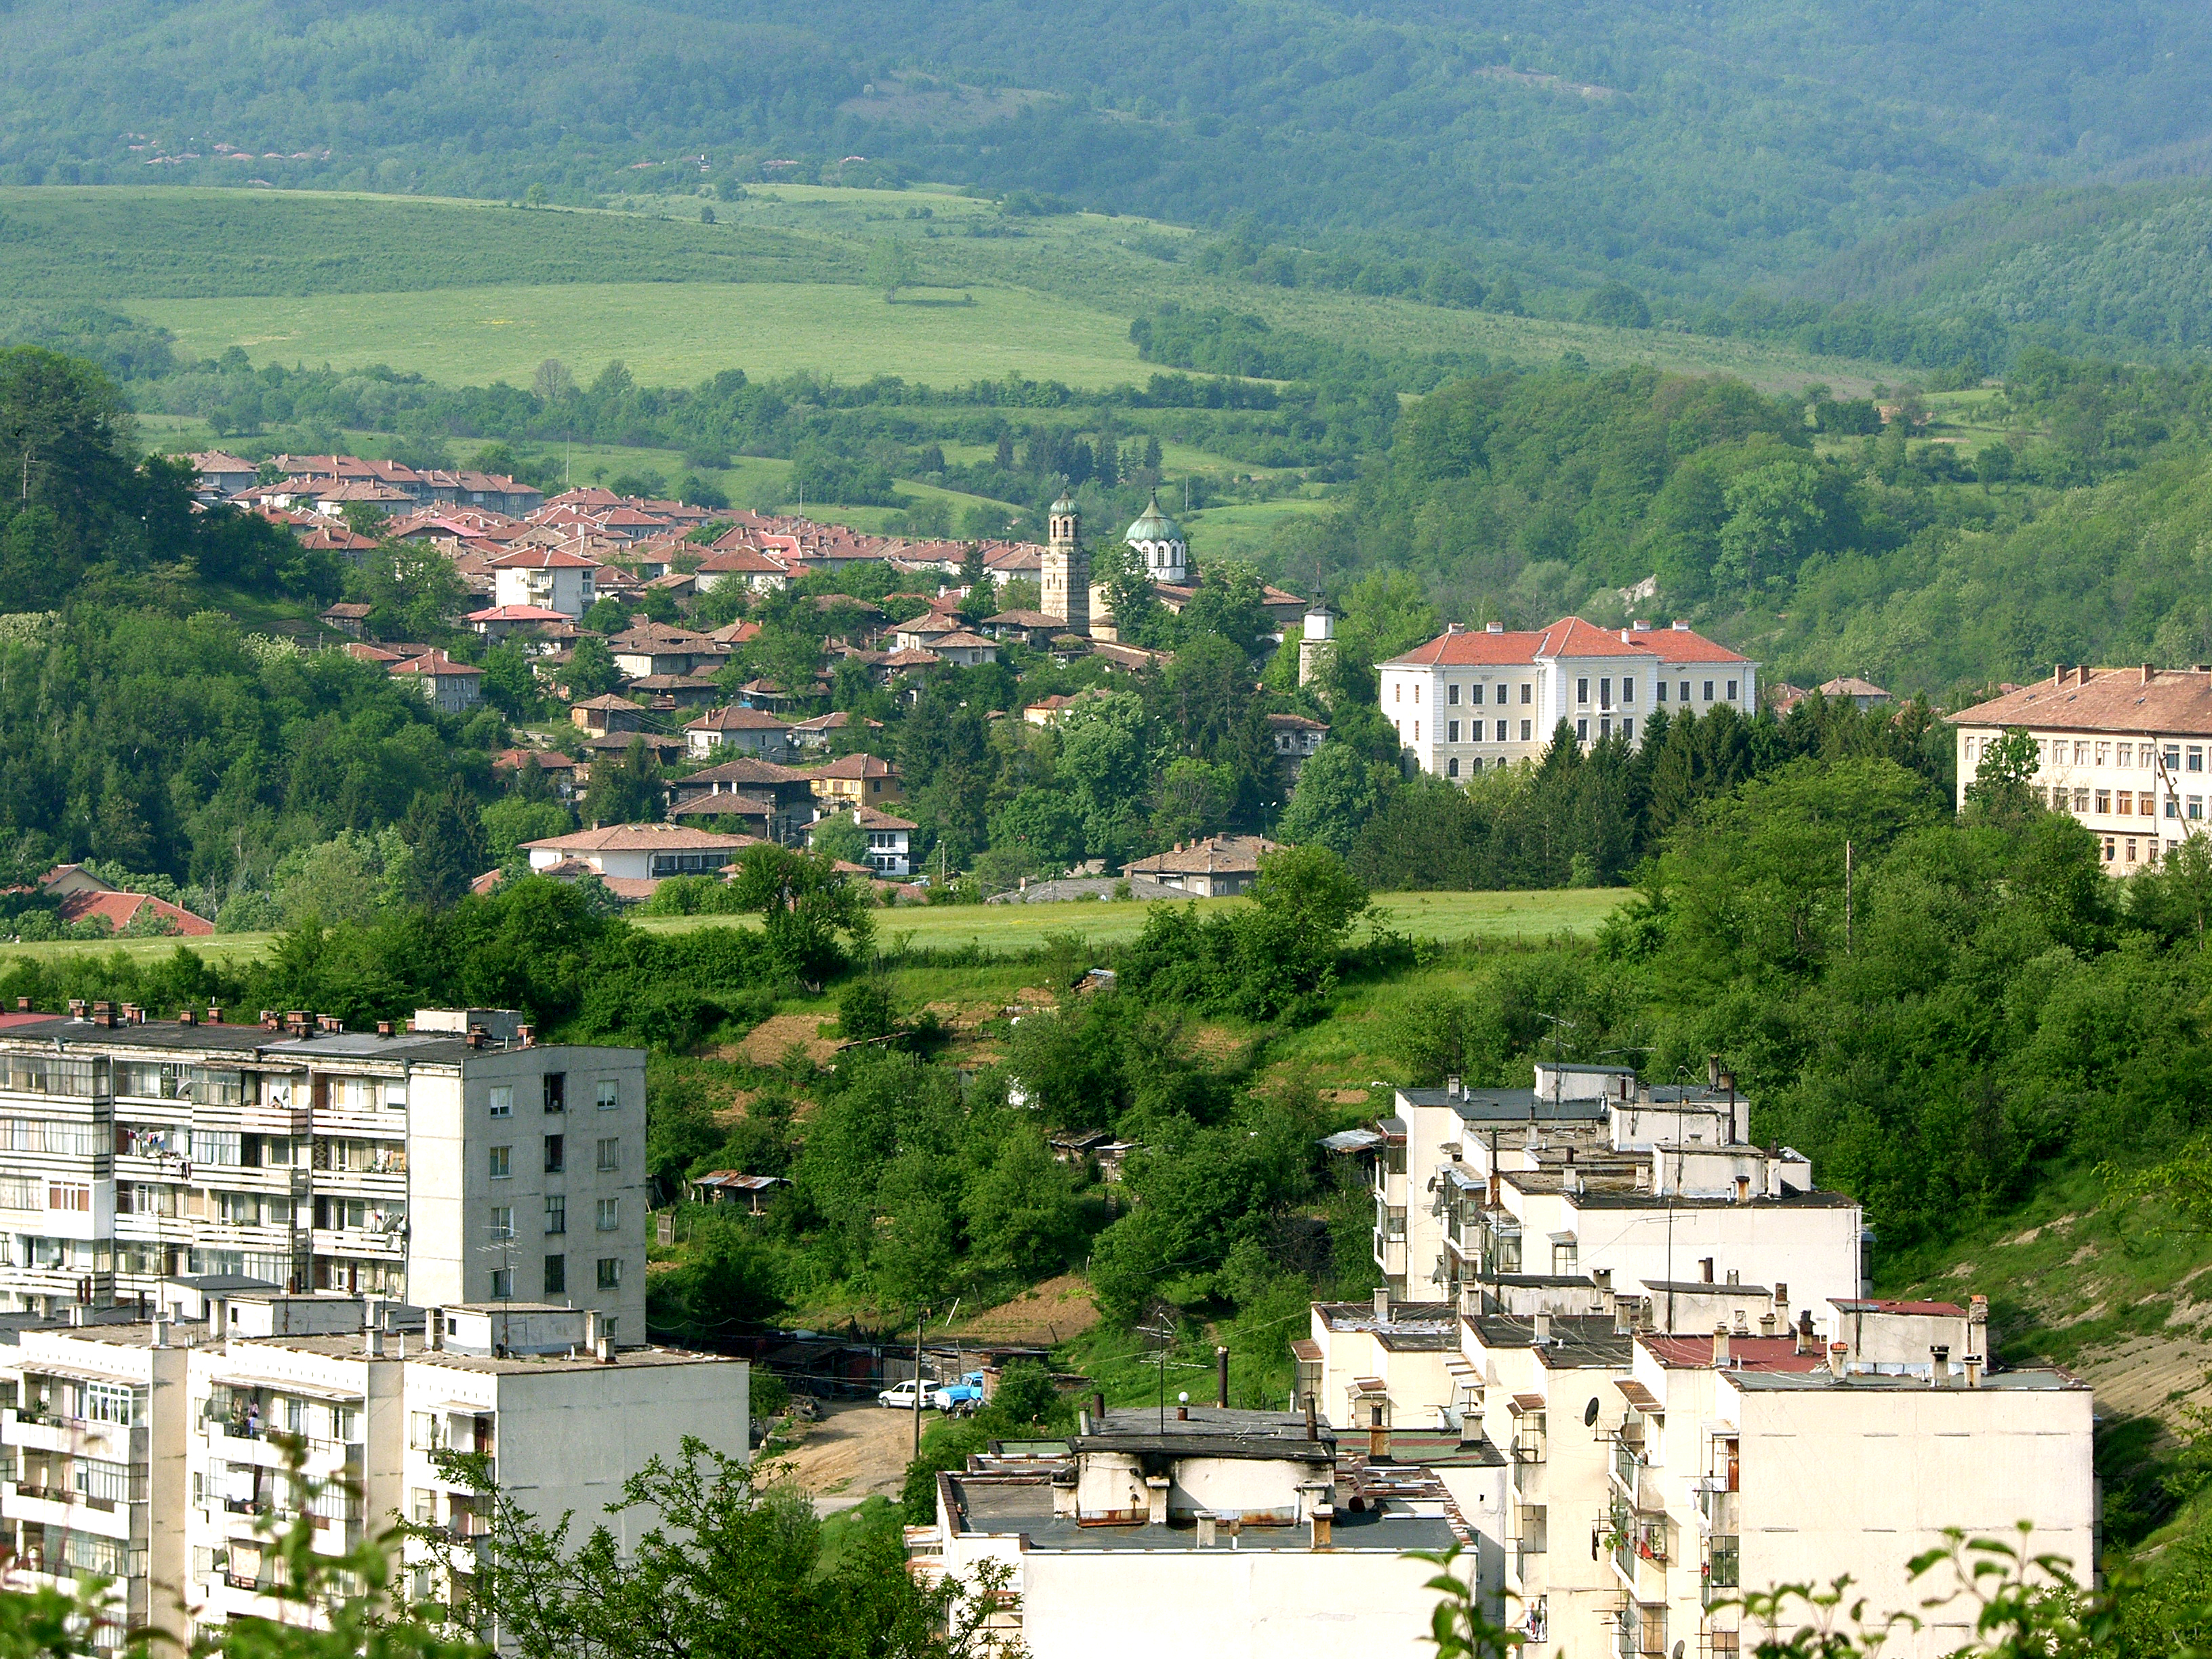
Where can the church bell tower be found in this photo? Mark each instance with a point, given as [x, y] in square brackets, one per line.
[1066, 576]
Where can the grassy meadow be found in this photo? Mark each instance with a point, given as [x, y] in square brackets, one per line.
[477, 291]
[668, 333]
[1011, 930]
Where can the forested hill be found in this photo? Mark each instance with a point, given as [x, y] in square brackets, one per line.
[1689, 148]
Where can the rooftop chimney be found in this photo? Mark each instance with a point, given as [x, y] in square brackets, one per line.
[1382, 1303]
[2058, 674]
[213, 1015]
[1624, 1315]
[187, 1017]
[1378, 1437]
[1313, 1421]
[384, 1028]
[2148, 674]
[1451, 1088]
[1972, 1363]
[1939, 1367]
[1455, 627]
[1705, 1269]
[23, 1005]
[1221, 1378]
[1493, 627]
[1781, 1299]
[1736, 1276]
[1682, 625]
[1322, 1515]
[1542, 1325]
[1767, 1323]
[1098, 1407]
[528, 1035]
[476, 1037]
[1720, 1347]
[1839, 1360]
[1805, 1331]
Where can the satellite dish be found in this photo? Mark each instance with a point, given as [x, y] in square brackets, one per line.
[1678, 1650]
[1589, 1420]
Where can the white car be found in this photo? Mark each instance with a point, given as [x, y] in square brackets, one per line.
[900, 1398]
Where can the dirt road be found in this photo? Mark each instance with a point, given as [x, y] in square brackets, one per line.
[856, 1451]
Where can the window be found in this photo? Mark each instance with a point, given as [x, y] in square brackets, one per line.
[1709, 691]
[2172, 807]
[556, 1274]
[1627, 728]
[1455, 733]
[2080, 800]
[1582, 730]
[1501, 731]
[1605, 692]
[611, 1272]
[503, 1221]
[1726, 1563]
[108, 1402]
[553, 1154]
[1417, 690]
[557, 1213]
[2104, 801]
[2131, 850]
[2081, 754]
[557, 1091]
[503, 1284]
[1563, 1255]
[2195, 807]
[70, 1195]
[501, 1162]
[1452, 695]
[1525, 727]
[1397, 689]
[1475, 764]
[2174, 758]
[1417, 731]
[1525, 690]
[2143, 806]
[2196, 760]
[1659, 690]
[1628, 690]
[610, 1215]
[2127, 802]
[611, 1153]
[2108, 849]
[1685, 691]
[1451, 768]
[1731, 696]
[2127, 754]
[1582, 691]
[502, 1100]
[2104, 754]
[610, 1095]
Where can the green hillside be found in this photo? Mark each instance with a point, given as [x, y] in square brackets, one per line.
[1691, 149]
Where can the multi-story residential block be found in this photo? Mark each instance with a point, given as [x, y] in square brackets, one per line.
[2121, 749]
[458, 1162]
[549, 577]
[1497, 1198]
[161, 1454]
[1470, 700]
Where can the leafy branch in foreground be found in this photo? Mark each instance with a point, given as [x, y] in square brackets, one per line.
[726, 1563]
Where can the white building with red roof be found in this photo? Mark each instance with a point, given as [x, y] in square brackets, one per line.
[549, 578]
[1470, 700]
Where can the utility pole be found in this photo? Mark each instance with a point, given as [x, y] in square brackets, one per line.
[920, 1320]
[1847, 898]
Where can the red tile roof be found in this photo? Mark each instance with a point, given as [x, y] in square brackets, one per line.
[1570, 636]
[120, 908]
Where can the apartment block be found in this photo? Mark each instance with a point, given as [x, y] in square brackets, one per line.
[1470, 700]
[158, 1453]
[2121, 749]
[1512, 1200]
[457, 1162]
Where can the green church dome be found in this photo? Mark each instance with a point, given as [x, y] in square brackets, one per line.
[1153, 525]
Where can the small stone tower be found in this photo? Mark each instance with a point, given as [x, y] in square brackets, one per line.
[1065, 581]
[1317, 641]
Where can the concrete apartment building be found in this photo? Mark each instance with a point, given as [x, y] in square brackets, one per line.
[1608, 1273]
[459, 1162]
[1487, 1196]
[1472, 699]
[152, 1452]
[1200, 1530]
[2121, 749]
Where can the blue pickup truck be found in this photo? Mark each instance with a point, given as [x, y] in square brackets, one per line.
[960, 1398]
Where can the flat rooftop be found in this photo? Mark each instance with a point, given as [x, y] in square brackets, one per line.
[2039, 1381]
[1576, 1341]
[1022, 1503]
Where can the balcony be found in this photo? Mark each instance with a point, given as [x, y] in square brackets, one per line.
[1718, 1507]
